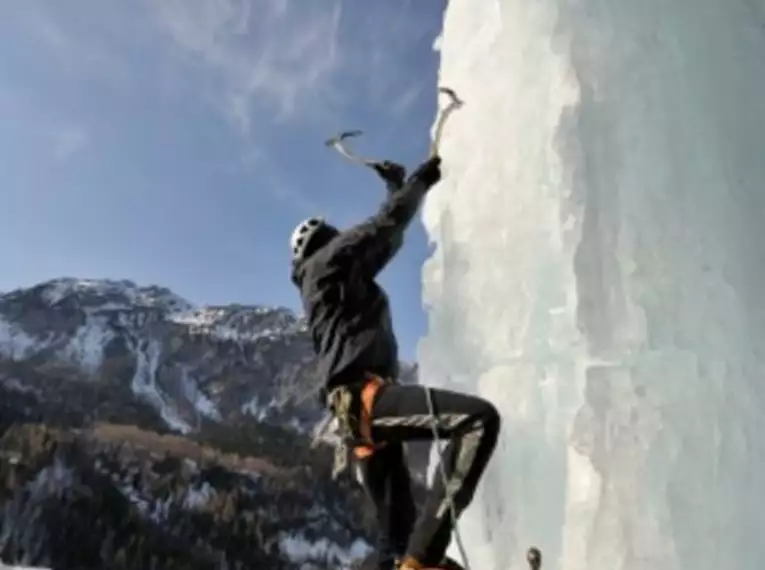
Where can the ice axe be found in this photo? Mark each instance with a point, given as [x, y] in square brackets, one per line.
[454, 103]
[340, 144]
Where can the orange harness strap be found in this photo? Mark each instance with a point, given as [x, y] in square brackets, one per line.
[368, 393]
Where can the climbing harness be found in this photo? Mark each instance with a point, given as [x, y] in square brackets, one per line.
[351, 422]
[340, 141]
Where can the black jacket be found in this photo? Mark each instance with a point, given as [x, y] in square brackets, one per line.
[348, 312]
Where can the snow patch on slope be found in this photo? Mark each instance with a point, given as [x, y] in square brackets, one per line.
[15, 344]
[55, 478]
[144, 385]
[300, 550]
[196, 498]
[239, 324]
[201, 402]
[255, 409]
[16, 385]
[86, 346]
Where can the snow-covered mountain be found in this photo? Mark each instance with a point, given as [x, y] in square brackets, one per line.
[168, 433]
[187, 363]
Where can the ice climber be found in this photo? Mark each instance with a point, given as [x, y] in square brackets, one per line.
[350, 323]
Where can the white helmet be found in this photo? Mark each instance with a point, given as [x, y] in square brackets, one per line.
[302, 235]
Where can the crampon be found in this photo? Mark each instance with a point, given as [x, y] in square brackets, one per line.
[533, 557]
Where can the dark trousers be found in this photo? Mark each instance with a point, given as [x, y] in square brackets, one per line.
[400, 414]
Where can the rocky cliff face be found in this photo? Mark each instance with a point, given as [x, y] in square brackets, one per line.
[139, 431]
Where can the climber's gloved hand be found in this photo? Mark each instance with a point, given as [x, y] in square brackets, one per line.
[392, 173]
[429, 172]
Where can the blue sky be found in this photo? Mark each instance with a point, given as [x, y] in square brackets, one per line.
[178, 142]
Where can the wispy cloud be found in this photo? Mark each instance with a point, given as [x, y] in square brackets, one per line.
[73, 48]
[68, 141]
[254, 59]
[270, 53]
[408, 97]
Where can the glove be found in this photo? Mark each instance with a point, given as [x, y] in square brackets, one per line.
[429, 172]
[393, 174]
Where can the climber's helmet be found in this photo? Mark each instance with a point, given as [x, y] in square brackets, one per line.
[309, 236]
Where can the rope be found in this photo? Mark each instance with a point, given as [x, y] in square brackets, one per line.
[444, 478]
[533, 554]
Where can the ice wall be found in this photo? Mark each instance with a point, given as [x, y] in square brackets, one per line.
[600, 260]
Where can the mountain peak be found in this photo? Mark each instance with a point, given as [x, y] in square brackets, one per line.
[119, 292]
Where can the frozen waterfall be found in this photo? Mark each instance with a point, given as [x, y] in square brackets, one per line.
[600, 257]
